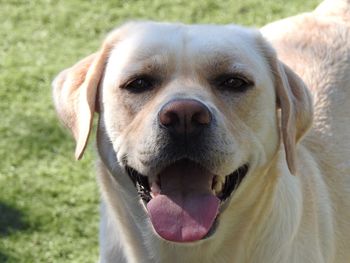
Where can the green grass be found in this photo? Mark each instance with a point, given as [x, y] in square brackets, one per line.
[49, 202]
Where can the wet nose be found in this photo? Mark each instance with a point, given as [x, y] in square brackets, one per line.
[184, 116]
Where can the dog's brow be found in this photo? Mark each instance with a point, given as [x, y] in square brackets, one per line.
[151, 65]
[217, 62]
[216, 65]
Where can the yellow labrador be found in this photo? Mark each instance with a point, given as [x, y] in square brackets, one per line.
[207, 144]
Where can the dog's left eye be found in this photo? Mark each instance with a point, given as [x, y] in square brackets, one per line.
[139, 85]
[234, 83]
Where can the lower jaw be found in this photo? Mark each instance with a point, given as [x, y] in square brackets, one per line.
[231, 184]
[232, 181]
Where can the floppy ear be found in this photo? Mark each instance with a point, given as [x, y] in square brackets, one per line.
[74, 93]
[294, 100]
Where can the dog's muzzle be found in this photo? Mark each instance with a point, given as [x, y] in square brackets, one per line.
[184, 198]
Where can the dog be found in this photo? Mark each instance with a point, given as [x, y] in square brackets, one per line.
[215, 146]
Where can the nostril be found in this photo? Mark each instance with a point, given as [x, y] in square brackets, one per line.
[169, 118]
[201, 117]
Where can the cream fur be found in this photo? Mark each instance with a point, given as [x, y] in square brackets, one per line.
[273, 216]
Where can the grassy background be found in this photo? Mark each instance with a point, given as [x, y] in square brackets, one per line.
[49, 202]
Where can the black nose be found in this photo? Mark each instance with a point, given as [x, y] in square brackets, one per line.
[184, 116]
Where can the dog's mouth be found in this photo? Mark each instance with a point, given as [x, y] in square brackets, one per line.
[184, 199]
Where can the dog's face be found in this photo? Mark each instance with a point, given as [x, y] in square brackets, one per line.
[188, 113]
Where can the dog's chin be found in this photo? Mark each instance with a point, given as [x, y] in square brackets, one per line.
[185, 199]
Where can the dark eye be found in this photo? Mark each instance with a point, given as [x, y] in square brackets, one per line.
[235, 84]
[139, 85]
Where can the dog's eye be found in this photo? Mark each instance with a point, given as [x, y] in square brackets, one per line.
[235, 84]
[139, 85]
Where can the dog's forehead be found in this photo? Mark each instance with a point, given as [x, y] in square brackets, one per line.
[152, 33]
[141, 41]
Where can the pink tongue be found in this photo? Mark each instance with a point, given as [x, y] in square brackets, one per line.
[186, 208]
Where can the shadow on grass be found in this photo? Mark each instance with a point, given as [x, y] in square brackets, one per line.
[3, 258]
[11, 220]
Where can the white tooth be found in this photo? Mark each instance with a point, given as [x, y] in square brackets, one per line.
[219, 182]
[155, 189]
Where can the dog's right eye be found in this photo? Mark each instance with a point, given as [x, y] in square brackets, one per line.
[139, 85]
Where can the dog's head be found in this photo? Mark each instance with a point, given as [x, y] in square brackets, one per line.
[187, 112]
